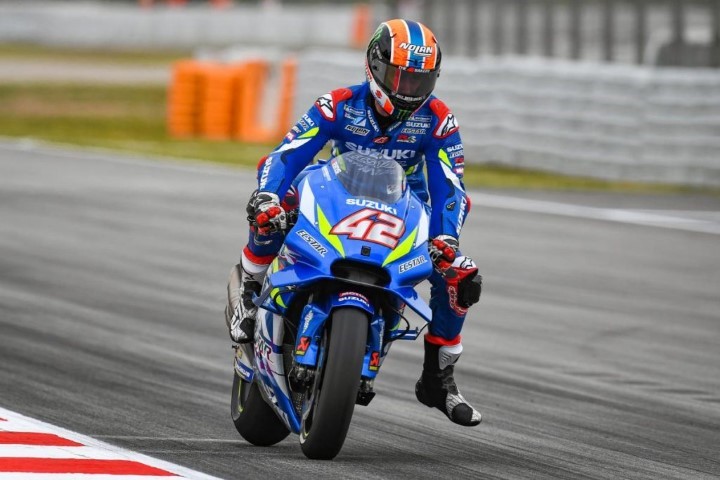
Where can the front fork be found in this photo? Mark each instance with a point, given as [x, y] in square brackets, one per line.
[310, 328]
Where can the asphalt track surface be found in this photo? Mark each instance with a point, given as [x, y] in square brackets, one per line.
[594, 353]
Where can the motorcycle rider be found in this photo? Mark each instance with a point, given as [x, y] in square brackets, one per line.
[394, 113]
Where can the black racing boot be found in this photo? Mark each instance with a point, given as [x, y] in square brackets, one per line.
[240, 311]
[437, 388]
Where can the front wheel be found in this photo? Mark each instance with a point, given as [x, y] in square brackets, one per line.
[331, 402]
[254, 419]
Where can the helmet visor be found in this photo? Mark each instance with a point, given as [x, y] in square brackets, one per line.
[408, 84]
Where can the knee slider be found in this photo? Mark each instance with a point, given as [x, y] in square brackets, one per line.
[469, 290]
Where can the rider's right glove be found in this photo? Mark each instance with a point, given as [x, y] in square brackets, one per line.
[464, 284]
[442, 250]
[266, 213]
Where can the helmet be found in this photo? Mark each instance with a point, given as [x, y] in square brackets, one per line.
[402, 65]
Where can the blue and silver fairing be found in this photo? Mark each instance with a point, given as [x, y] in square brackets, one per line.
[333, 225]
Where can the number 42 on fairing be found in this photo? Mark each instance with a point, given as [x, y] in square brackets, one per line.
[372, 226]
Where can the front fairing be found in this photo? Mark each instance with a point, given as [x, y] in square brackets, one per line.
[334, 225]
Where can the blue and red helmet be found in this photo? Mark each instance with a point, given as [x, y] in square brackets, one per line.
[402, 65]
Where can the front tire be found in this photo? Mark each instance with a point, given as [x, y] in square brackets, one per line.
[333, 396]
[254, 419]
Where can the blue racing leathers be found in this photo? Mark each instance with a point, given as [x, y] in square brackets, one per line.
[430, 138]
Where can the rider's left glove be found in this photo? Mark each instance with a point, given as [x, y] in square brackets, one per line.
[464, 283]
[266, 213]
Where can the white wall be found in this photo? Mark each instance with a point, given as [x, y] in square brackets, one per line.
[606, 121]
[126, 25]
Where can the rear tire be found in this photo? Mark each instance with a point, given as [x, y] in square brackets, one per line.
[337, 382]
[254, 419]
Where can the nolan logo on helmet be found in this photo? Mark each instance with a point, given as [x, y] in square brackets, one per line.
[422, 50]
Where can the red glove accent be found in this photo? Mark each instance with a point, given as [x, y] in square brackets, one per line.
[265, 213]
[264, 219]
[442, 251]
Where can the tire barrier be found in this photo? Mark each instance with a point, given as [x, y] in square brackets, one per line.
[220, 101]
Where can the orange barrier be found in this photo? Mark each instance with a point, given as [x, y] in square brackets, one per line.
[180, 3]
[361, 26]
[287, 97]
[221, 102]
[184, 99]
[216, 111]
[252, 84]
[221, 3]
[249, 127]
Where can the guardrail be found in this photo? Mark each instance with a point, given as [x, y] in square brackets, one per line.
[619, 122]
[126, 25]
[608, 121]
[665, 32]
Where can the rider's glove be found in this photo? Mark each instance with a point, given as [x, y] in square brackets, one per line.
[266, 213]
[464, 283]
[443, 249]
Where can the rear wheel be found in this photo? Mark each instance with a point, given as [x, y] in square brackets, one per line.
[329, 406]
[254, 419]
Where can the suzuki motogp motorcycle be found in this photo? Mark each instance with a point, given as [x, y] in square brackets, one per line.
[332, 304]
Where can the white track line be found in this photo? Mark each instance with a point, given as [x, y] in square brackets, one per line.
[636, 217]
[42, 451]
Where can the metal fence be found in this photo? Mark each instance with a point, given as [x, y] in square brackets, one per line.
[613, 121]
[665, 32]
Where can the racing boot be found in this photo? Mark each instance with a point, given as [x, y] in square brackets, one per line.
[245, 281]
[437, 388]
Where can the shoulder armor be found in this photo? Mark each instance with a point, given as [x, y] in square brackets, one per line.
[447, 123]
[327, 104]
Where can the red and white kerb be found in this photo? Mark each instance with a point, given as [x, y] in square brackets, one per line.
[33, 450]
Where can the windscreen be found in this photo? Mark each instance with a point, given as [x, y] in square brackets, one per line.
[370, 177]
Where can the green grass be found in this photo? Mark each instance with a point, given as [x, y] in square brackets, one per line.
[132, 119]
[95, 55]
[497, 176]
[124, 118]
